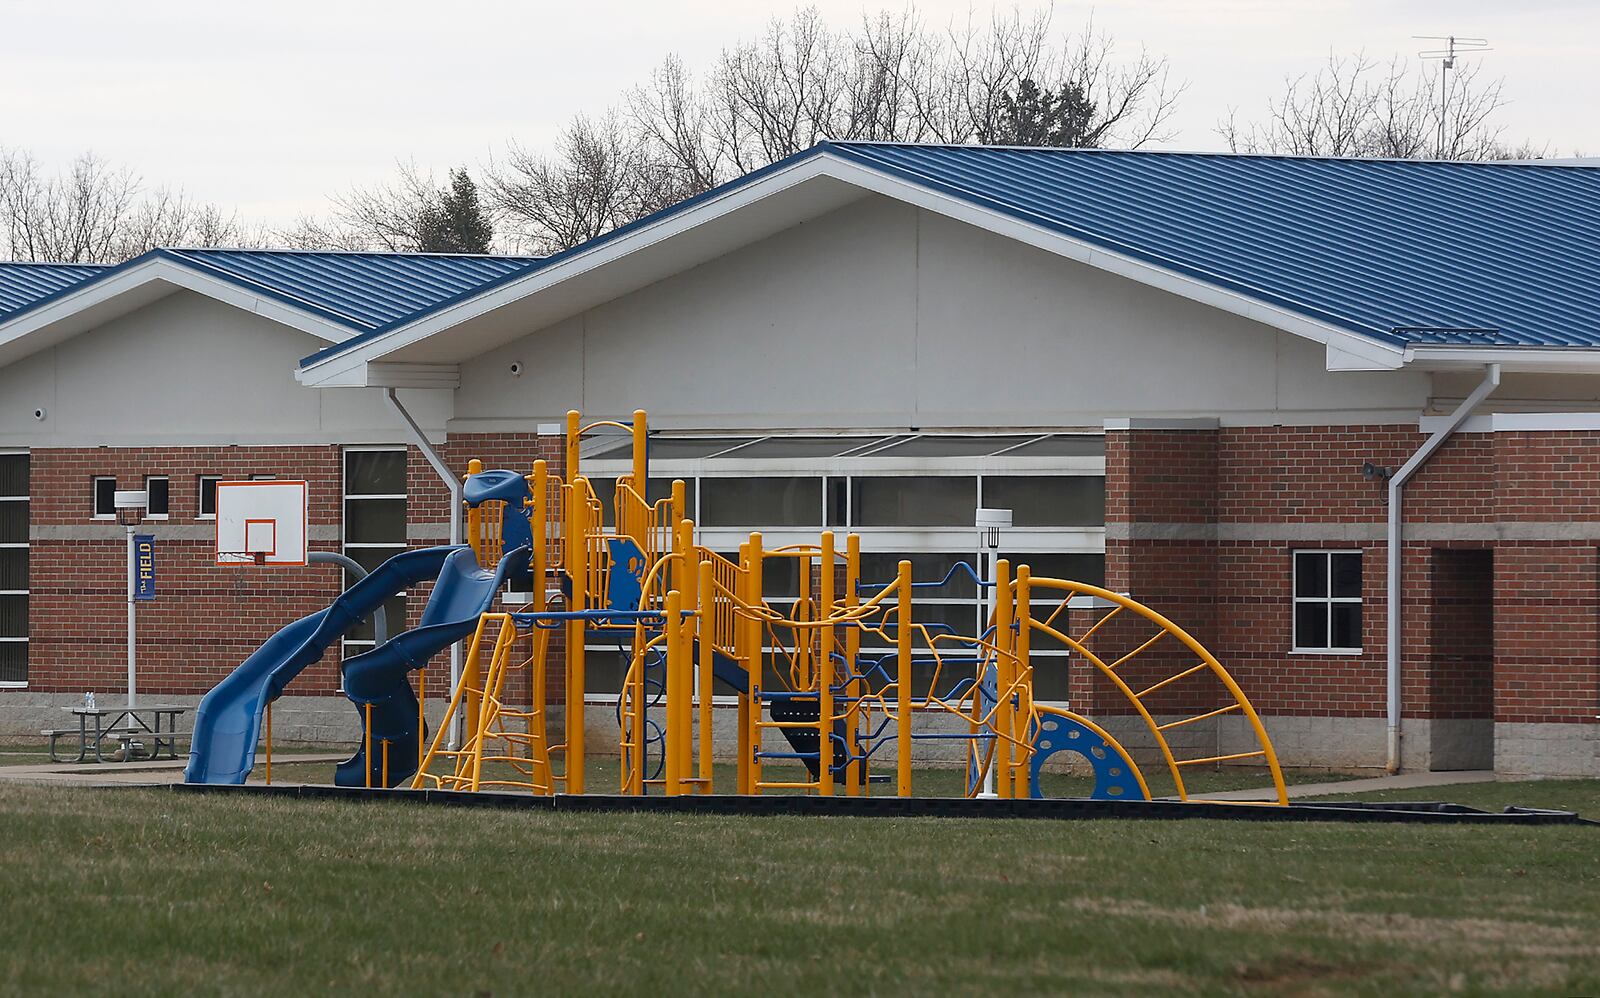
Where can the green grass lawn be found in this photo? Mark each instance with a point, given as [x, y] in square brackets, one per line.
[155, 892]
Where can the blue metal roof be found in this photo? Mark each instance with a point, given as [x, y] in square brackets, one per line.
[22, 284]
[360, 291]
[365, 291]
[1407, 252]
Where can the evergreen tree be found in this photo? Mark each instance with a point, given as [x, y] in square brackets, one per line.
[1031, 116]
[454, 222]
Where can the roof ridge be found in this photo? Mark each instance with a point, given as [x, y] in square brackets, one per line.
[1202, 153]
[294, 251]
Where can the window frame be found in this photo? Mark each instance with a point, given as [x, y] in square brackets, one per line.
[200, 496]
[867, 453]
[1329, 601]
[355, 646]
[24, 545]
[94, 497]
[158, 478]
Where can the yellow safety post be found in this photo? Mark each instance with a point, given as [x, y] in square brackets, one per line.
[747, 654]
[824, 669]
[706, 628]
[1003, 665]
[539, 562]
[641, 461]
[269, 742]
[853, 775]
[422, 713]
[385, 755]
[578, 569]
[475, 516]
[903, 692]
[803, 635]
[757, 628]
[573, 424]
[1024, 696]
[675, 665]
[366, 751]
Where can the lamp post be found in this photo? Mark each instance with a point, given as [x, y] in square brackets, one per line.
[130, 506]
[989, 522]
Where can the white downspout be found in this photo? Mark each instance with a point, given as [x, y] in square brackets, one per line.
[1397, 482]
[452, 483]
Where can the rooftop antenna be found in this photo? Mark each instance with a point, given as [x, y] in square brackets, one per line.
[1454, 45]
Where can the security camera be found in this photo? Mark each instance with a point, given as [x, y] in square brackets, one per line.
[516, 369]
[39, 414]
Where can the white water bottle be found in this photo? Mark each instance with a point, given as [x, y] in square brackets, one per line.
[88, 701]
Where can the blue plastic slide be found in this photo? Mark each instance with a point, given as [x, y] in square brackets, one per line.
[228, 720]
[379, 677]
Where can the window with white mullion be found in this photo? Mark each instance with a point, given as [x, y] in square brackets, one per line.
[374, 527]
[1327, 601]
[14, 570]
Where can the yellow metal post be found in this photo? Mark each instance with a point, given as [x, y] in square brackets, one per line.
[675, 665]
[422, 713]
[1003, 667]
[385, 754]
[854, 775]
[540, 523]
[1024, 696]
[746, 656]
[803, 636]
[573, 424]
[366, 751]
[641, 461]
[577, 538]
[757, 662]
[706, 628]
[475, 516]
[903, 682]
[824, 668]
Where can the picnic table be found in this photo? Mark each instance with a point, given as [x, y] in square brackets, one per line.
[154, 727]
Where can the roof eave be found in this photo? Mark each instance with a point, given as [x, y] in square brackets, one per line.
[1528, 360]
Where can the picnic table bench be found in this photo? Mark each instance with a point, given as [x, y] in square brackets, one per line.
[155, 725]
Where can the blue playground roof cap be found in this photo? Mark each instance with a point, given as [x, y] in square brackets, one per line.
[23, 284]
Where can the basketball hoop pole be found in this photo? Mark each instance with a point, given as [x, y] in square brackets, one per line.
[130, 506]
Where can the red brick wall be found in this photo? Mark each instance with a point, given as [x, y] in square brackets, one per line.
[205, 619]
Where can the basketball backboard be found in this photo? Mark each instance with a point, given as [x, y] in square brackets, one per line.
[261, 523]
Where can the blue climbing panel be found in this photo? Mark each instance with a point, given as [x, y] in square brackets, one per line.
[625, 584]
[1114, 777]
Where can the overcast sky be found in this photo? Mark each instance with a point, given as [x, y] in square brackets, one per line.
[269, 107]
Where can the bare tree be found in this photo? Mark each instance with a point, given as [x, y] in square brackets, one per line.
[96, 213]
[388, 216]
[1354, 106]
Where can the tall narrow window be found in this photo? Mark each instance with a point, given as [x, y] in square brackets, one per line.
[206, 500]
[156, 497]
[1327, 601]
[374, 527]
[105, 498]
[13, 569]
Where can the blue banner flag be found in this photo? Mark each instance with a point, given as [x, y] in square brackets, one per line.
[144, 567]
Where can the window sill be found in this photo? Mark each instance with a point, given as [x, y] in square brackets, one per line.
[11, 685]
[1346, 652]
[103, 516]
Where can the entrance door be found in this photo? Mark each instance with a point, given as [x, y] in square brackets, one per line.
[1461, 663]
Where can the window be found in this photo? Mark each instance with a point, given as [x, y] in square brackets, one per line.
[757, 502]
[1327, 601]
[917, 501]
[156, 493]
[1048, 500]
[13, 569]
[206, 499]
[105, 498]
[374, 527]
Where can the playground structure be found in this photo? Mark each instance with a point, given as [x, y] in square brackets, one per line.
[842, 681]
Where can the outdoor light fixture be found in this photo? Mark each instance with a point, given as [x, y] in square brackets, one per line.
[1375, 472]
[990, 522]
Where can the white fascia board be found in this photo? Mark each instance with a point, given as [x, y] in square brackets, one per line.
[1533, 360]
[167, 272]
[1517, 422]
[1380, 356]
[384, 374]
[314, 375]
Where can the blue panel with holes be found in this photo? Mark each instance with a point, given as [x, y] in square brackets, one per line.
[1114, 773]
[625, 581]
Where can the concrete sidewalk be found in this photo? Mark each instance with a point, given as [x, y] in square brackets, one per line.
[1404, 781]
[160, 772]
